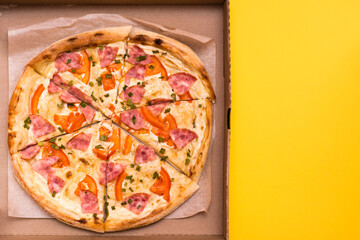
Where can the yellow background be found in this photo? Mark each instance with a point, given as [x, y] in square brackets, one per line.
[295, 147]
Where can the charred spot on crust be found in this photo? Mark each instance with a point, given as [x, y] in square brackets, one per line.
[69, 174]
[46, 56]
[82, 220]
[72, 39]
[98, 34]
[158, 41]
[140, 38]
[84, 161]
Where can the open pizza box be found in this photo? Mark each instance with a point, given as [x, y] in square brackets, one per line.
[204, 18]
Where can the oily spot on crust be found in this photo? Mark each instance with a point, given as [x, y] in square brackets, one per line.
[84, 161]
[82, 220]
[69, 174]
[158, 41]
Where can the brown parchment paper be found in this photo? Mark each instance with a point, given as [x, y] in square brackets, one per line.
[25, 42]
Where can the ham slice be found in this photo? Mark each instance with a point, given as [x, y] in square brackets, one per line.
[138, 56]
[55, 183]
[110, 172]
[67, 61]
[135, 93]
[89, 202]
[40, 126]
[157, 105]
[144, 154]
[29, 152]
[81, 95]
[138, 202]
[181, 82]
[107, 55]
[43, 166]
[88, 112]
[181, 137]
[137, 71]
[68, 98]
[53, 88]
[57, 80]
[80, 141]
[133, 119]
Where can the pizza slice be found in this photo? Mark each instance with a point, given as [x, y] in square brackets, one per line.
[88, 65]
[64, 176]
[39, 110]
[141, 189]
[158, 69]
[179, 132]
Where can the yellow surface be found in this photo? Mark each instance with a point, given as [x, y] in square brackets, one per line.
[295, 150]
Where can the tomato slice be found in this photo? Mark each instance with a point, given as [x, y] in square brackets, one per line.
[170, 120]
[87, 184]
[156, 67]
[101, 153]
[186, 96]
[118, 186]
[83, 73]
[35, 98]
[162, 185]
[160, 132]
[153, 120]
[115, 138]
[107, 81]
[114, 67]
[48, 151]
[103, 131]
[72, 108]
[112, 108]
[127, 145]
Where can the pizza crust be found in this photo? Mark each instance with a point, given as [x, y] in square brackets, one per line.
[179, 50]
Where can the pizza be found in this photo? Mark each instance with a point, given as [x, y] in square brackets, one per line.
[109, 129]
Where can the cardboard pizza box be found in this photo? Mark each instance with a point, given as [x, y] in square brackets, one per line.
[209, 18]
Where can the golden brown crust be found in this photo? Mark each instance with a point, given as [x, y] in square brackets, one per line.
[50, 206]
[179, 50]
[196, 169]
[156, 214]
[81, 41]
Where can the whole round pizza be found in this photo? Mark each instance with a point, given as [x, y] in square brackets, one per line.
[109, 129]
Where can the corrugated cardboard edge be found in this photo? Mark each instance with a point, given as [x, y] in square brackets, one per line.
[227, 77]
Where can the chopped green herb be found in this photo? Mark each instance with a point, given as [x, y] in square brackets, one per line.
[141, 180]
[93, 97]
[101, 99]
[173, 95]
[143, 84]
[117, 61]
[27, 120]
[37, 111]
[140, 58]
[138, 168]
[74, 70]
[138, 206]
[93, 64]
[70, 105]
[62, 146]
[106, 95]
[172, 179]
[133, 120]
[163, 158]
[103, 138]
[132, 180]
[194, 125]
[155, 175]
[91, 84]
[155, 51]
[90, 58]
[200, 106]
[126, 55]
[108, 76]
[99, 147]
[132, 165]
[123, 190]
[52, 140]
[68, 61]
[95, 215]
[26, 126]
[123, 203]
[83, 104]
[55, 146]
[99, 81]
[101, 47]
[131, 189]
[162, 151]
[130, 94]
[130, 201]
[53, 194]
[151, 67]
[125, 87]
[40, 144]
[163, 53]
[160, 139]
[59, 139]
[167, 110]
[187, 161]
[125, 184]
[60, 129]
[138, 83]
[113, 207]
[71, 82]
[70, 153]
[161, 77]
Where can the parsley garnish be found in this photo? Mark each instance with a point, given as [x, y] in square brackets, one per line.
[138, 206]
[99, 147]
[138, 168]
[167, 110]
[131, 189]
[130, 201]
[125, 87]
[173, 95]
[101, 47]
[90, 58]
[133, 120]
[106, 95]
[99, 81]
[155, 51]
[187, 161]
[141, 58]
[91, 84]
[71, 82]
[103, 138]
[52, 140]
[93, 97]
[162, 151]
[40, 144]
[156, 175]
[123, 203]
[164, 158]
[160, 139]
[113, 207]
[108, 76]
[60, 129]
[61, 105]
[83, 104]
[68, 61]
[151, 67]
[101, 100]
[200, 106]
[132, 165]
[73, 71]
[53, 194]
[130, 94]
[55, 146]
[117, 61]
